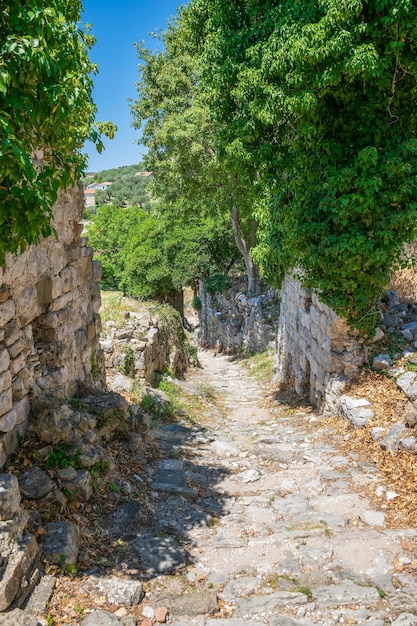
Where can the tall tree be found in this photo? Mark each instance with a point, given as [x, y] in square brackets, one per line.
[319, 97]
[191, 172]
[46, 111]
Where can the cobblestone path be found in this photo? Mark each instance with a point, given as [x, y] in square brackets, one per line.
[266, 522]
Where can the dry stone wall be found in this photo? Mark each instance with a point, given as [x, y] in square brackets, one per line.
[232, 321]
[316, 352]
[49, 321]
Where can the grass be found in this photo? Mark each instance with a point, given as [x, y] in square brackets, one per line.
[182, 404]
[62, 457]
[261, 365]
[274, 579]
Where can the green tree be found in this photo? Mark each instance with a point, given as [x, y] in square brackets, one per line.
[46, 111]
[147, 256]
[193, 173]
[319, 99]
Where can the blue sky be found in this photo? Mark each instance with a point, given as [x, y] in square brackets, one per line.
[116, 26]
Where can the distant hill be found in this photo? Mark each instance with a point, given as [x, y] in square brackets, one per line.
[127, 188]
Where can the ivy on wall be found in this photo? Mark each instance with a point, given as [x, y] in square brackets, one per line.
[46, 110]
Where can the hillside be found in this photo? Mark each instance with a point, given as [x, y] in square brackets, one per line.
[127, 188]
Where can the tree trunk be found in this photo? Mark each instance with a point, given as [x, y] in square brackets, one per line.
[244, 246]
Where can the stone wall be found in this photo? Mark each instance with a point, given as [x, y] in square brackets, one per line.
[145, 344]
[316, 352]
[49, 321]
[232, 321]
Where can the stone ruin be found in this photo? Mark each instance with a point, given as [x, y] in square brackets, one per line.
[317, 352]
[49, 343]
[231, 321]
[49, 320]
[53, 390]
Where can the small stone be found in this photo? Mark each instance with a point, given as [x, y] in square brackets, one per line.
[391, 441]
[354, 410]
[410, 416]
[378, 335]
[391, 495]
[249, 476]
[100, 618]
[82, 486]
[407, 382]
[61, 543]
[377, 432]
[379, 491]
[122, 612]
[161, 614]
[374, 518]
[381, 362]
[9, 496]
[146, 622]
[408, 443]
[67, 473]
[118, 591]
[35, 484]
[148, 611]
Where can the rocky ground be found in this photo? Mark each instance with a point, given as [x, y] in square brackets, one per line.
[260, 512]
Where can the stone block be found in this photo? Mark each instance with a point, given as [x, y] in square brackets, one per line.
[57, 287]
[82, 486]
[14, 268]
[119, 591]
[20, 385]
[97, 271]
[7, 311]
[56, 378]
[61, 541]
[17, 567]
[49, 320]
[35, 483]
[8, 421]
[4, 294]
[63, 302]
[17, 364]
[91, 331]
[8, 445]
[44, 291]
[69, 278]
[11, 333]
[22, 409]
[80, 340]
[16, 348]
[9, 496]
[84, 270]
[5, 381]
[6, 402]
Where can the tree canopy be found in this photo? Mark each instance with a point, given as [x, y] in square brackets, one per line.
[46, 113]
[192, 175]
[303, 112]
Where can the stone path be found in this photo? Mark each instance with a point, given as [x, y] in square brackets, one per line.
[267, 521]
